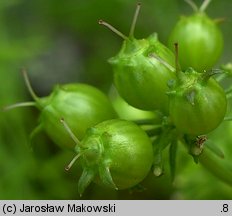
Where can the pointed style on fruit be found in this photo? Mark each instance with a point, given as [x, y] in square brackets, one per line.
[104, 150]
[81, 105]
[142, 69]
[198, 104]
[199, 37]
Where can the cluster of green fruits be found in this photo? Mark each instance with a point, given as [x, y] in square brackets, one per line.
[177, 87]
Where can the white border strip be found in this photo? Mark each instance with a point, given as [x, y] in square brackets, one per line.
[116, 207]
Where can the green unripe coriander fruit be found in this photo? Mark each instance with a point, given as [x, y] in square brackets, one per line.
[115, 153]
[142, 69]
[200, 41]
[140, 79]
[81, 105]
[197, 103]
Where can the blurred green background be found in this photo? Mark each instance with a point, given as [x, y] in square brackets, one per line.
[60, 41]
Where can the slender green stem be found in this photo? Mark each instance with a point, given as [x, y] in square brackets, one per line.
[172, 158]
[216, 166]
[28, 84]
[132, 29]
[120, 34]
[69, 131]
[204, 5]
[153, 55]
[167, 136]
[22, 104]
[229, 118]
[67, 168]
[193, 5]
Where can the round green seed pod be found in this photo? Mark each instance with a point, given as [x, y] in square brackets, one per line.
[81, 105]
[197, 103]
[200, 41]
[115, 153]
[140, 78]
[142, 69]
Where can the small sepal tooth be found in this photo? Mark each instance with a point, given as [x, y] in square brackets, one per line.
[191, 96]
[86, 178]
[171, 83]
[106, 178]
